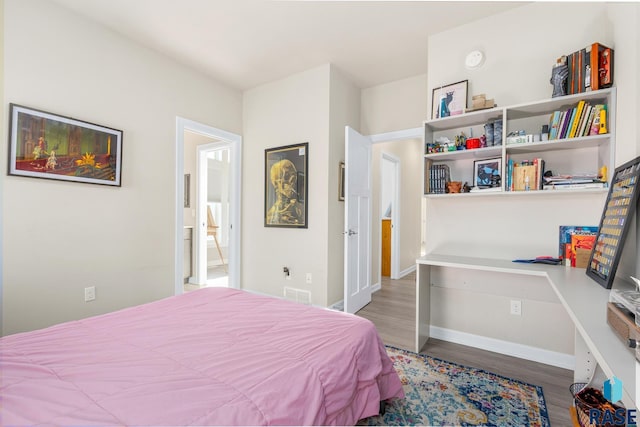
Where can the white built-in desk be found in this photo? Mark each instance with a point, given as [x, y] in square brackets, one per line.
[584, 299]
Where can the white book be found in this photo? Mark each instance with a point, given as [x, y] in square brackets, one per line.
[574, 186]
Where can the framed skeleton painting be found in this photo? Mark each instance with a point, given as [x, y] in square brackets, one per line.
[285, 186]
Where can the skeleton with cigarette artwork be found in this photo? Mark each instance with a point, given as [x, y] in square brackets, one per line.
[286, 209]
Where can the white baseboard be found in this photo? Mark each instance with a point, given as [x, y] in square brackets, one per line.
[376, 287]
[337, 306]
[522, 351]
[407, 271]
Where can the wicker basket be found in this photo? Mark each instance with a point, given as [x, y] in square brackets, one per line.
[583, 407]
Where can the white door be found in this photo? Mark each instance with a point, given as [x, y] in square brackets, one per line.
[357, 235]
[214, 193]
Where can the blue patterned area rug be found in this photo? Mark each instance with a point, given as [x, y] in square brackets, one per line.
[440, 393]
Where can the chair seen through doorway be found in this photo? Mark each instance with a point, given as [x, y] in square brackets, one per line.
[212, 230]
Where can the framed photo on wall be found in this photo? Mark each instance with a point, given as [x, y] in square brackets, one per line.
[449, 100]
[617, 215]
[47, 145]
[286, 185]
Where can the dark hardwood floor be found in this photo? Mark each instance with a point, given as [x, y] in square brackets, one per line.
[392, 310]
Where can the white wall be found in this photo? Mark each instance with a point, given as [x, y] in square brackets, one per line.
[519, 48]
[386, 192]
[59, 237]
[285, 112]
[519, 58]
[394, 106]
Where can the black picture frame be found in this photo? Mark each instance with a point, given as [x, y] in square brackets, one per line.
[619, 208]
[51, 146]
[487, 173]
[286, 186]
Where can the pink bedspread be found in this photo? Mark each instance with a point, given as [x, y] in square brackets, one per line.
[215, 356]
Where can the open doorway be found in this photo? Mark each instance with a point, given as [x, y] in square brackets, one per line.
[397, 166]
[389, 215]
[208, 171]
[214, 161]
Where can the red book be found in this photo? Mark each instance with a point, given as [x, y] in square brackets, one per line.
[581, 245]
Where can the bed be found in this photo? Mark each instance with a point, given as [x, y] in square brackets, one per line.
[215, 356]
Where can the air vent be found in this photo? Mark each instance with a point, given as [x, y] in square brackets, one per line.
[297, 295]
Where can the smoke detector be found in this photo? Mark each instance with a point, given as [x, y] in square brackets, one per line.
[474, 60]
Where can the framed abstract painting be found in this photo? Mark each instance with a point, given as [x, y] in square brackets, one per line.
[47, 145]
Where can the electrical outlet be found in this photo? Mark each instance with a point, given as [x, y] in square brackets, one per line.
[89, 293]
[516, 307]
[308, 278]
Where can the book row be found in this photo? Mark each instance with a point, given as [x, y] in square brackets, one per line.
[436, 179]
[590, 68]
[576, 243]
[530, 175]
[524, 176]
[582, 120]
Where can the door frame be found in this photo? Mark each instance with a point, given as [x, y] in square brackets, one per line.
[235, 142]
[395, 213]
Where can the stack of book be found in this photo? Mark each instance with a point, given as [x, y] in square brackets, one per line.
[576, 243]
[567, 182]
[590, 68]
[437, 180]
[524, 176]
[582, 120]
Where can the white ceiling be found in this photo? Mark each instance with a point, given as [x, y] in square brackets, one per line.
[244, 43]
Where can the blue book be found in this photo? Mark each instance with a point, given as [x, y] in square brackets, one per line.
[509, 182]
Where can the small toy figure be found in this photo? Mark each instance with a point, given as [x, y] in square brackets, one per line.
[559, 76]
[40, 150]
[602, 175]
[52, 162]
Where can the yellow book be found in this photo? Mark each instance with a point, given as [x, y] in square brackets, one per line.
[603, 121]
[576, 121]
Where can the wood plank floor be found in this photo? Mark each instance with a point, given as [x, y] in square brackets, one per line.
[392, 310]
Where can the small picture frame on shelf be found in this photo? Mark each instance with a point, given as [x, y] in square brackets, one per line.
[487, 173]
[449, 100]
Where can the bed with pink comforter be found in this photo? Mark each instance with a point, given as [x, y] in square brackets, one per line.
[215, 356]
